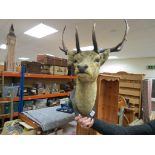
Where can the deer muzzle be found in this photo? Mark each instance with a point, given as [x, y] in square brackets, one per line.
[82, 68]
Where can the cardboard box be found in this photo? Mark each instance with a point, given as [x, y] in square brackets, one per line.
[58, 70]
[18, 68]
[32, 67]
[45, 69]
[51, 60]
[1, 68]
[52, 70]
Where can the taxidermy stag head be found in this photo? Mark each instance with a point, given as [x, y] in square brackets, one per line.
[87, 65]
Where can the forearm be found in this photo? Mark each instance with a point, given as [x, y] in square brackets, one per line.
[107, 128]
[110, 129]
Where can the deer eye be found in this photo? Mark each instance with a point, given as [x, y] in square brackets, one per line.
[97, 60]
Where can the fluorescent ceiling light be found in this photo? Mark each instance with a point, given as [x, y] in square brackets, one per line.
[40, 31]
[3, 46]
[86, 48]
[46, 54]
[50, 54]
[23, 58]
[113, 57]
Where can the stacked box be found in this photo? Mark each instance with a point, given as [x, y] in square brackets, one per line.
[57, 61]
[64, 63]
[51, 60]
[45, 69]
[65, 70]
[32, 67]
[57, 70]
[46, 59]
[52, 70]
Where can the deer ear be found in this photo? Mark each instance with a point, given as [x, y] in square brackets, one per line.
[104, 56]
[70, 55]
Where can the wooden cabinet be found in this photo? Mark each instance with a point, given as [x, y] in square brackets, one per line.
[130, 87]
[106, 102]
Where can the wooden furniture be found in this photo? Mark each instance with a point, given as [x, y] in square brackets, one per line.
[31, 123]
[130, 87]
[106, 102]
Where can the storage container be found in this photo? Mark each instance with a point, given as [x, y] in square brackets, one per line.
[51, 60]
[32, 67]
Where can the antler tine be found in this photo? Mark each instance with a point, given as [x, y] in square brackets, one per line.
[77, 41]
[94, 39]
[120, 45]
[64, 49]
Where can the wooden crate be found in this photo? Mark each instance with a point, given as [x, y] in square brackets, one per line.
[51, 60]
[32, 67]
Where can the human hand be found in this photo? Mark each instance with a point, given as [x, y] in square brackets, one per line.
[85, 122]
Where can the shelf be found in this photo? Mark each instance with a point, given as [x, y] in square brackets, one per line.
[15, 114]
[37, 96]
[43, 76]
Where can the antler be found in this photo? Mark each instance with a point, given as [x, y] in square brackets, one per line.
[77, 41]
[94, 39]
[120, 45]
[114, 49]
[64, 49]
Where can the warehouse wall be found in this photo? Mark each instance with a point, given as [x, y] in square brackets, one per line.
[137, 66]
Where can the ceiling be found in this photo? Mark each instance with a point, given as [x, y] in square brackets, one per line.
[109, 32]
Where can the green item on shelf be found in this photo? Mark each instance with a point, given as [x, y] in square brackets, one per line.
[29, 102]
[7, 107]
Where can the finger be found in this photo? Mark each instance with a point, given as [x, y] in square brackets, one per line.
[83, 126]
[82, 119]
[91, 123]
[88, 120]
[78, 117]
[88, 123]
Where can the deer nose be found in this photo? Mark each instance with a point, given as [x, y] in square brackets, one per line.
[82, 68]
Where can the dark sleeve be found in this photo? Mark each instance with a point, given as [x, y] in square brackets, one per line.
[110, 129]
